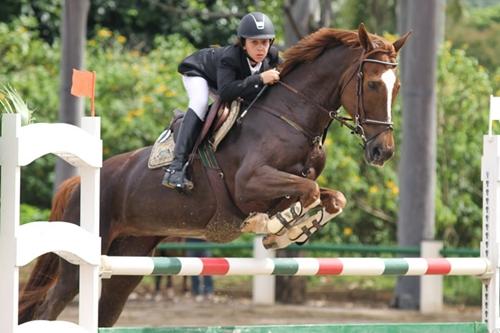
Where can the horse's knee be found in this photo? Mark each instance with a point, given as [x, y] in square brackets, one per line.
[333, 201]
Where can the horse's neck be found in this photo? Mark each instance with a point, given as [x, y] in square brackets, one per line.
[320, 81]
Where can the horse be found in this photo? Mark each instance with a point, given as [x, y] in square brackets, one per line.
[268, 162]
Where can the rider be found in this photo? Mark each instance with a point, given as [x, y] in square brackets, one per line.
[239, 70]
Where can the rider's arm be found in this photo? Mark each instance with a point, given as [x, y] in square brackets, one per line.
[230, 87]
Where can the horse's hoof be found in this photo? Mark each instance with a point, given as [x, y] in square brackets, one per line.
[256, 223]
[274, 242]
[333, 201]
[269, 242]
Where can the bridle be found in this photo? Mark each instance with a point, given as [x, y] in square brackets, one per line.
[359, 119]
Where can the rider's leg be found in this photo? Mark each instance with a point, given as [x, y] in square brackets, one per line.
[188, 132]
[197, 89]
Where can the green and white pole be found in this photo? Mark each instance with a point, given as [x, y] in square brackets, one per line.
[189, 266]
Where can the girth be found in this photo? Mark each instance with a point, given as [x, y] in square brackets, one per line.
[226, 208]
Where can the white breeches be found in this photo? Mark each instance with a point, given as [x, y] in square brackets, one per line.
[198, 91]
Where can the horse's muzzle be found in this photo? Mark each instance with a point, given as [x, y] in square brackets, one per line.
[379, 150]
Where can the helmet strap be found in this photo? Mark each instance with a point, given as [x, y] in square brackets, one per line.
[251, 59]
[242, 45]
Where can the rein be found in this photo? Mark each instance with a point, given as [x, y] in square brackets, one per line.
[334, 115]
[354, 124]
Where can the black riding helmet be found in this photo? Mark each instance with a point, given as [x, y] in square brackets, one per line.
[256, 25]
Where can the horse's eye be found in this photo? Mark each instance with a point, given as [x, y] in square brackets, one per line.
[372, 85]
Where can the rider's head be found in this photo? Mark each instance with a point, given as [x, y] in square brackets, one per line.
[256, 34]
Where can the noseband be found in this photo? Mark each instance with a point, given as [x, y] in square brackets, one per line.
[359, 119]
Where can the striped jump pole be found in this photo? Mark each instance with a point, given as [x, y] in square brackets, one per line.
[186, 266]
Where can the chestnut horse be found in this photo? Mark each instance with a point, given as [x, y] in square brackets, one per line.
[266, 160]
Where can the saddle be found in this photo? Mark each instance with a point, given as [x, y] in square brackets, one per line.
[219, 121]
[224, 224]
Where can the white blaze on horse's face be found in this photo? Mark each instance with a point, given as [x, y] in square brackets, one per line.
[389, 78]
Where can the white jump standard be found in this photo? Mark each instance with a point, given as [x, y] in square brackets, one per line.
[81, 147]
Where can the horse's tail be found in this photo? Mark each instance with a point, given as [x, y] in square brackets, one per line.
[44, 274]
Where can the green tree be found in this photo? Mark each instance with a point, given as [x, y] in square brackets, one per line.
[46, 14]
[379, 16]
[476, 30]
[203, 23]
[463, 105]
[134, 91]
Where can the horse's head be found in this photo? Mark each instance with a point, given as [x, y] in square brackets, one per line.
[368, 92]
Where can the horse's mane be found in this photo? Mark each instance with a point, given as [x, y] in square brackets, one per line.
[312, 46]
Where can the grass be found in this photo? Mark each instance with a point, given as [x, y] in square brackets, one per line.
[11, 102]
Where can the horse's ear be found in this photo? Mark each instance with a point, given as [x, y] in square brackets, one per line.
[364, 38]
[401, 41]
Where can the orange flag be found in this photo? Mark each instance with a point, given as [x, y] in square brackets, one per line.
[83, 86]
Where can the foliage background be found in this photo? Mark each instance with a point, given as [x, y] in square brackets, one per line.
[135, 54]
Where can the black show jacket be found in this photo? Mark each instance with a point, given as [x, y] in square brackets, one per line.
[226, 70]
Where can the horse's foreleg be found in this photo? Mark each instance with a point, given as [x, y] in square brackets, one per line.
[266, 183]
[332, 204]
[302, 229]
[262, 223]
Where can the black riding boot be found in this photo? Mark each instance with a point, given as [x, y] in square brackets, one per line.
[175, 174]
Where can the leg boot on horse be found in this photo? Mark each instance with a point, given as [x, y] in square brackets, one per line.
[175, 175]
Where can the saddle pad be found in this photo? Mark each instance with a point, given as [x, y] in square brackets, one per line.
[162, 152]
[220, 134]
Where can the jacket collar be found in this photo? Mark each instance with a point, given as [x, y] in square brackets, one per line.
[246, 69]
[265, 65]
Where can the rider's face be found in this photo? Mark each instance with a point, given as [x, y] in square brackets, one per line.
[257, 48]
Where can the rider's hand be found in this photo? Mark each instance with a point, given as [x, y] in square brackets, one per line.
[270, 76]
